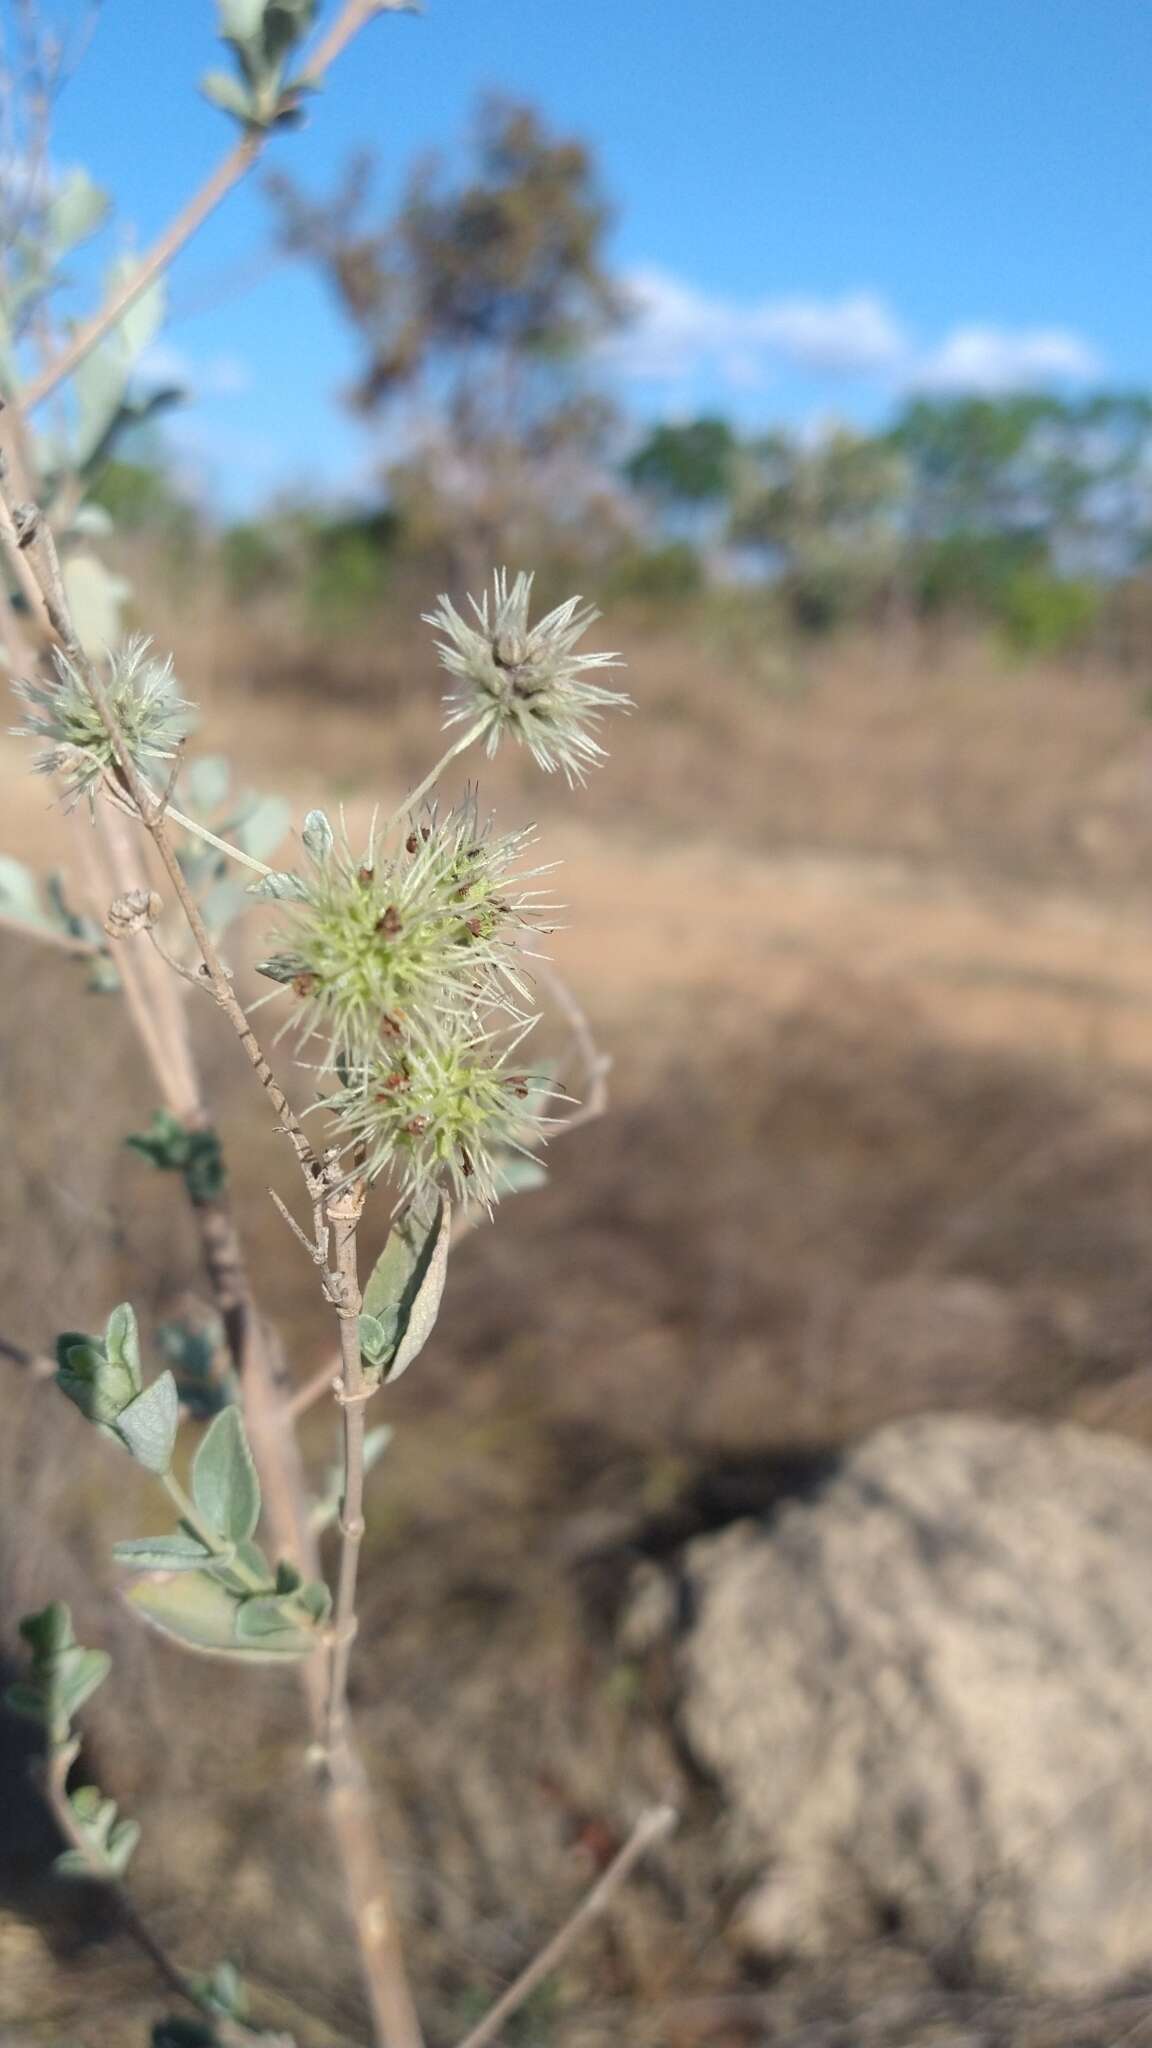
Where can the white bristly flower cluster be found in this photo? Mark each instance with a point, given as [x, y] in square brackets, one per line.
[409, 984]
[526, 681]
[152, 716]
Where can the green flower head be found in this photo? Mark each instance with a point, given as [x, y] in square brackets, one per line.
[448, 1110]
[152, 716]
[526, 681]
[387, 944]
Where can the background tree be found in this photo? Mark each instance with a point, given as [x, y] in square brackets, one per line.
[475, 304]
[825, 514]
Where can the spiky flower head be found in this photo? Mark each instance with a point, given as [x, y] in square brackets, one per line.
[389, 943]
[448, 1110]
[152, 716]
[526, 681]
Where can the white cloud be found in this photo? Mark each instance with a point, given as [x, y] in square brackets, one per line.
[220, 376]
[677, 330]
[679, 334]
[997, 359]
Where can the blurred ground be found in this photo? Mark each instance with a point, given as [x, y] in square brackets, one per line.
[866, 934]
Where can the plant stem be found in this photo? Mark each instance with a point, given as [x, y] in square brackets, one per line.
[343, 1214]
[50, 935]
[212, 839]
[187, 1511]
[649, 1829]
[60, 1762]
[369, 1896]
[432, 778]
[228, 173]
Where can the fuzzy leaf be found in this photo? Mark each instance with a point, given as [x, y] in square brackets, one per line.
[197, 1355]
[25, 1700]
[279, 888]
[316, 1600]
[175, 1553]
[281, 967]
[19, 896]
[122, 1341]
[406, 1285]
[96, 599]
[373, 1339]
[261, 829]
[275, 1621]
[204, 784]
[77, 208]
[148, 1425]
[240, 19]
[317, 835]
[224, 1483]
[192, 1609]
[64, 1674]
[228, 94]
[78, 1674]
[100, 1388]
[120, 1845]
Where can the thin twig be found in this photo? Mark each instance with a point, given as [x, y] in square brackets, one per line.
[651, 1828]
[344, 1211]
[216, 973]
[311, 1390]
[234, 167]
[393, 2012]
[349, 1804]
[33, 1362]
[596, 1064]
[51, 935]
[55, 1781]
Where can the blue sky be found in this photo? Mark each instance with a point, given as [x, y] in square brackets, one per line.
[820, 203]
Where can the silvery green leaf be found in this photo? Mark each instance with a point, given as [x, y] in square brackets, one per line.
[316, 1600]
[26, 1701]
[275, 1621]
[279, 888]
[198, 1357]
[96, 600]
[318, 836]
[76, 1676]
[286, 22]
[176, 1553]
[19, 896]
[122, 1341]
[281, 967]
[92, 522]
[204, 785]
[92, 1382]
[120, 1845]
[222, 905]
[224, 1483]
[74, 1863]
[240, 20]
[75, 211]
[197, 1611]
[228, 94]
[264, 824]
[406, 1285]
[101, 379]
[148, 1425]
[373, 1338]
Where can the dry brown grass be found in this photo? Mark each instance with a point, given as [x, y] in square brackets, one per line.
[869, 946]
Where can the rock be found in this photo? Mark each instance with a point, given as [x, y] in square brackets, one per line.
[926, 1696]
